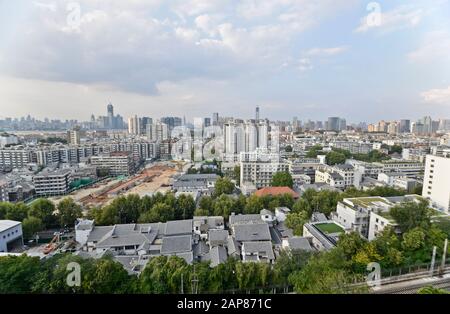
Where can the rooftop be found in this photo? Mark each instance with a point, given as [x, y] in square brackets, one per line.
[329, 227]
[276, 190]
[7, 224]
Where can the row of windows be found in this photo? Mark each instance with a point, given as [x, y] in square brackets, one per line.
[10, 234]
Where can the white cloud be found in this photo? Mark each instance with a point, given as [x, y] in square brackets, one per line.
[399, 18]
[324, 52]
[434, 47]
[133, 45]
[437, 96]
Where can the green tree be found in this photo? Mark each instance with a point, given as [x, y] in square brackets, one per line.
[201, 212]
[17, 212]
[254, 205]
[31, 225]
[18, 273]
[223, 206]
[314, 151]
[410, 215]
[185, 207]
[237, 174]
[68, 212]
[223, 186]
[325, 273]
[5, 207]
[333, 158]
[296, 220]
[432, 290]
[289, 262]
[160, 212]
[108, 277]
[44, 210]
[413, 239]
[282, 179]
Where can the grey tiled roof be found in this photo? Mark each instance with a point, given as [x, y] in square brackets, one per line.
[263, 247]
[299, 243]
[235, 219]
[178, 227]
[218, 235]
[176, 244]
[218, 255]
[251, 232]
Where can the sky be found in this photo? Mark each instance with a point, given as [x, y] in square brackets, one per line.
[361, 60]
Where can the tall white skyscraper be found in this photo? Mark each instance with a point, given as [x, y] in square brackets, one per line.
[157, 131]
[246, 136]
[134, 125]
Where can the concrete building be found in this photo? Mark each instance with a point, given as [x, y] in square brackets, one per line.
[248, 136]
[368, 215]
[203, 183]
[337, 176]
[436, 182]
[73, 137]
[51, 182]
[117, 163]
[134, 125]
[410, 168]
[11, 235]
[158, 131]
[8, 139]
[14, 157]
[258, 168]
[323, 235]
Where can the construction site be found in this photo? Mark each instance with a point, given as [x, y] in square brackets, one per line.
[154, 178]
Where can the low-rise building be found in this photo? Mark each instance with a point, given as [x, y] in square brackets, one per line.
[116, 163]
[51, 182]
[11, 236]
[203, 183]
[323, 235]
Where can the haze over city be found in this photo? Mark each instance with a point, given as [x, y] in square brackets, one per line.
[192, 58]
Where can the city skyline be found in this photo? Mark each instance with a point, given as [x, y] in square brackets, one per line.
[290, 58]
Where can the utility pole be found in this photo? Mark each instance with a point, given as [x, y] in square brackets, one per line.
[182, 285]
[444, 257]
[433, 259]
[194, 283]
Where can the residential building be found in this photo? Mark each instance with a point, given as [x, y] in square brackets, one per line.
[51, 182]
[436, 182]
[323, 235]
[258, 168]
[116, 163]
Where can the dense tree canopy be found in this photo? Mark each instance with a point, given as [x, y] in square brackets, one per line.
[282, 179]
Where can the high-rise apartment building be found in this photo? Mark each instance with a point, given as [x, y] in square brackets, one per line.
[215, 119]
[333, 124]
[158, 132]
[171, 122]
[240, 136]
[111, 118]
[73, 136]
[436, 181]
[405, 126]
[134, 125]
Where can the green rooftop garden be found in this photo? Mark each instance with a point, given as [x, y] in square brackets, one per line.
[367, 201]
[328, 228]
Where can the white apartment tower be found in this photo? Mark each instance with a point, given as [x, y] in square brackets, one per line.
[436, 181]
[134, 125]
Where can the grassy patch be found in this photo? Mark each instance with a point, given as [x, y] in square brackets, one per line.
[329, 228]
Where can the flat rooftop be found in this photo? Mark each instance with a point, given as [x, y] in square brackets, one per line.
[7, 224]
[329, 227]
